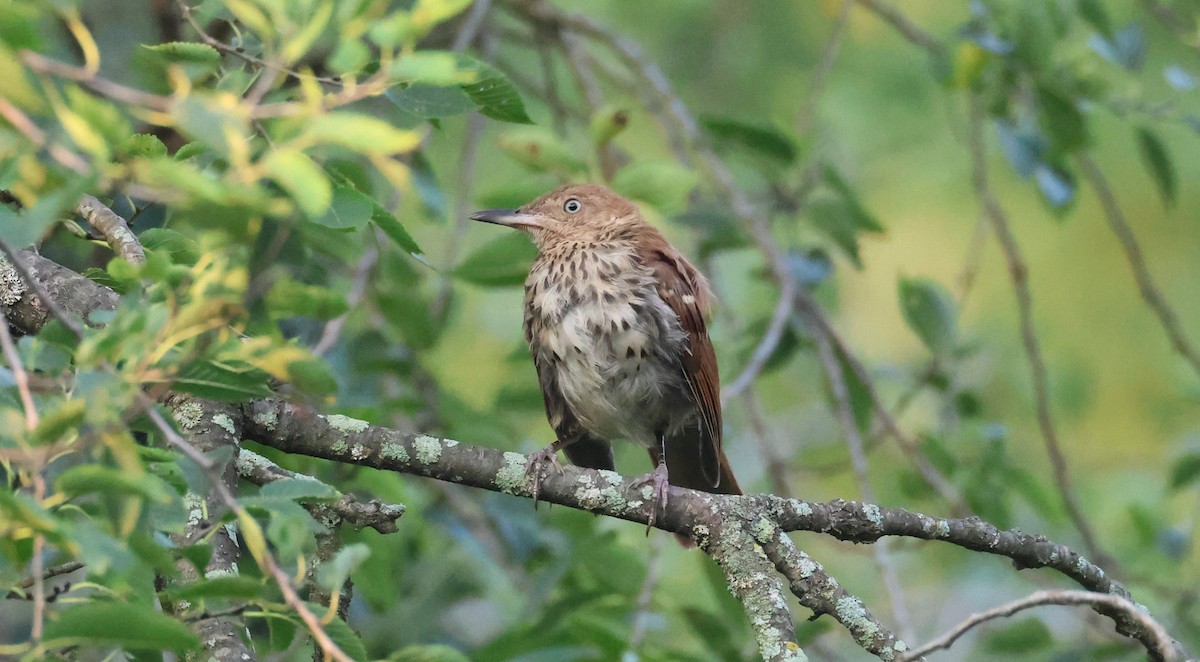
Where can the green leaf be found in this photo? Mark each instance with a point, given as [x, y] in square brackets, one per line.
[350, 209]
[182, 248]
[930, 312]
[504, 261]
[222, 381]
[144, 144]
[288, 298]
[301, 178]
[1185, 471]
[1094, 13]
[55, 424]
[88, 478]
[1061, 120]
[119, 623]
[858, 213]
[188, 52]
[431, 101]
[493, 92]
[1156, 157]
[236, 587]
[341, 634]
[24, 229]
[664, 185]
[763, 140]
[362, 133]
[332, 574]
[391, 226]
[306, 489]
[540, 150]
[312, 376]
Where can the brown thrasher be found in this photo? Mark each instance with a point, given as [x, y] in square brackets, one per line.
[615, 320]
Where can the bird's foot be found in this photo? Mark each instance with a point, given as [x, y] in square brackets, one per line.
[533, 467]
[657, 480]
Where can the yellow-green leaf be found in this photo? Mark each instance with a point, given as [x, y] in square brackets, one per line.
[301, 178]
[363, 133]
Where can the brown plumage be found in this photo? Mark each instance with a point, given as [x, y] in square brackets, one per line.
[615, 320]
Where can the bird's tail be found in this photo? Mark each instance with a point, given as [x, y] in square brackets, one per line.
[691, 459]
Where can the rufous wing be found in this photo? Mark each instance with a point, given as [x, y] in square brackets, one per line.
[685, 291]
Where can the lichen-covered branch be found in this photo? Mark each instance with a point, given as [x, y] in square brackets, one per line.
[707, 518]
[866, 522]
[113, 228]
[70, 295]
[347, 509]
[212, 426]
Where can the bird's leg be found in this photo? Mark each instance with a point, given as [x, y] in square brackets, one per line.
[658, 480]
[547, 455]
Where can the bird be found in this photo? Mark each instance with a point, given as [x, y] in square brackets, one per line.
[615, 319]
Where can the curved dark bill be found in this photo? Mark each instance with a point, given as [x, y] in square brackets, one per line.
[510, 217]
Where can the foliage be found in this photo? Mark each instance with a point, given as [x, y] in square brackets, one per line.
[299, 172]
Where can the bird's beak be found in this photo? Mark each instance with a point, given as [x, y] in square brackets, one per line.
[509, 217]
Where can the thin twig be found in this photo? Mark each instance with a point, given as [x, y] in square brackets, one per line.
[48, 302]
[362, 276]
[1162, 641]
[903, 25]
[20, 375]
[767, 345]
[186, 10]
[1137, 261]
[113, 228]
[221, 490]
[858, 459]
[820, 76]
[21, 122]
[101, 86]
[1018, 274]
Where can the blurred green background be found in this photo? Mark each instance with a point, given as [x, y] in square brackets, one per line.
[487, 574]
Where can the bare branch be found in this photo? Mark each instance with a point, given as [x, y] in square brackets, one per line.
[374, 513]
[113, 228]
[767, 345]
[1137, 262]
[1164, 648]
[1018, 274]
[903, 25]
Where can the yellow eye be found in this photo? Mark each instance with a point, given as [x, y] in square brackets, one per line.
[571, 206]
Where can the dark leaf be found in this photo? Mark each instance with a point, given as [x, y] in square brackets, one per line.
[1158, 160]
[930, 312]
[119, 623]
[763, 140]
[1185, 471]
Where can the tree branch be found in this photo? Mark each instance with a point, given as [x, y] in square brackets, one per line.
[1163, 646]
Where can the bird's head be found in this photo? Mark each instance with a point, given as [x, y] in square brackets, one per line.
[587, 212]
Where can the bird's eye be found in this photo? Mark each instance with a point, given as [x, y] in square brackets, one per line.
[571, 206]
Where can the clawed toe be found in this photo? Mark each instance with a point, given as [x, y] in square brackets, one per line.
[659, 492]
[548, 455]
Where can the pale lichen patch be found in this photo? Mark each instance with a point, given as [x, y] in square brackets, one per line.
[345, 424]
[429, 449]
[267, 418]
[943, 529]
[223, 421]
[358, 451]
[394, 451]
[511, 478]
[853, 614]
[873, 513]
[12, 287]
[340, 446]
[189, 414]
